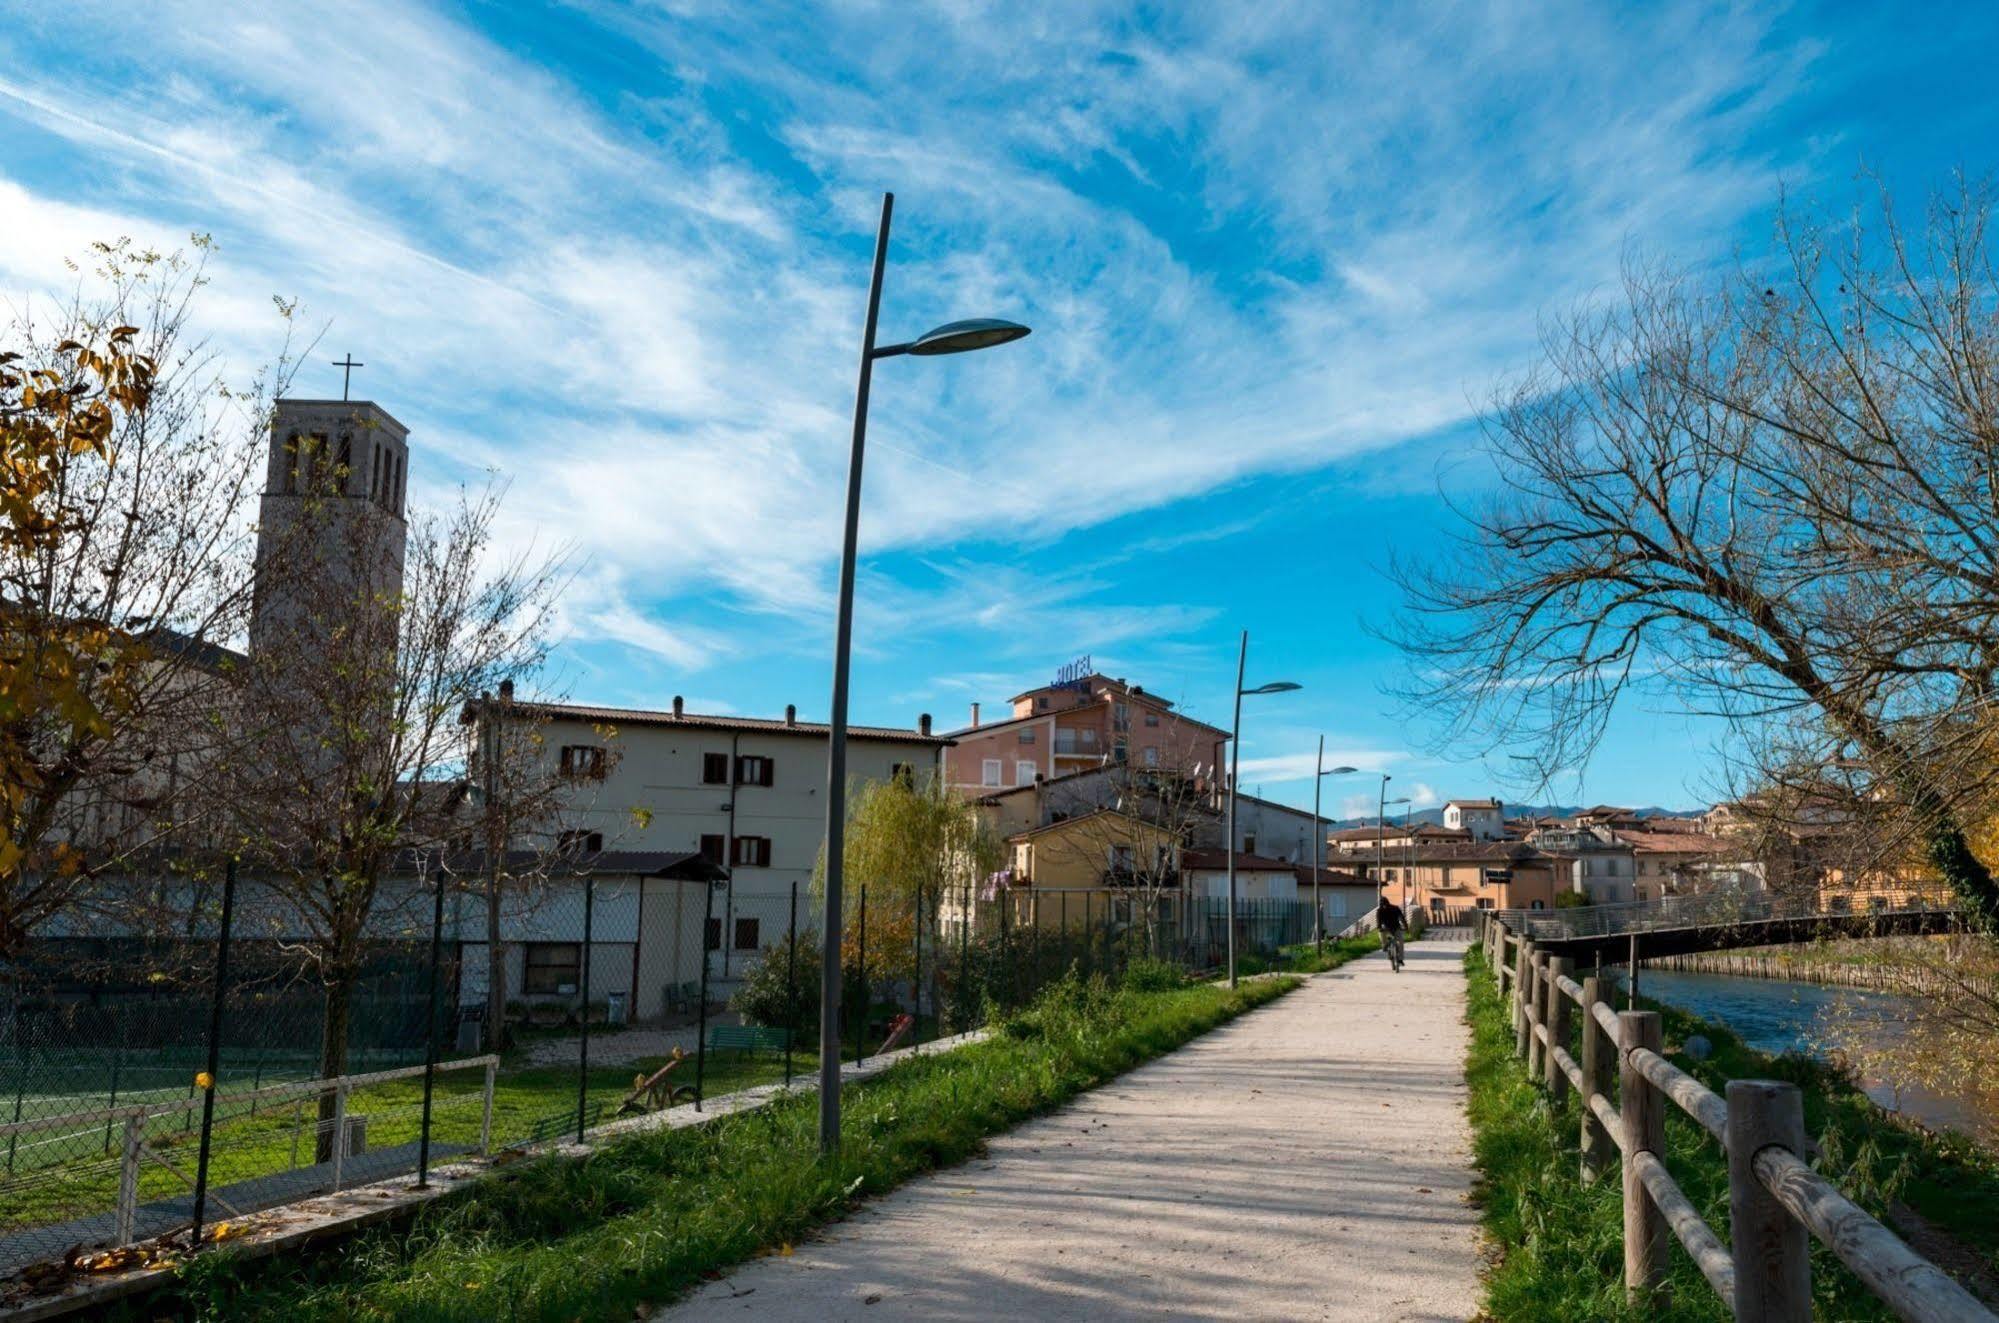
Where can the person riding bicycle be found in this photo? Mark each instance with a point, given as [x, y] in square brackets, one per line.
[1388, 919]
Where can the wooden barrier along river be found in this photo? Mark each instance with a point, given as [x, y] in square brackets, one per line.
[1776, 1202]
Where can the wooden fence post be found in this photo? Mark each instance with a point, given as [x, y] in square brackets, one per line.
[1599, 1055]
[1772, 1250]
[1536, 1044]
[1646, 1235]
[1559, 968]
[1522, 1027]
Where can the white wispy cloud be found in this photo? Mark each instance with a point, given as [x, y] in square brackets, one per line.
[1251, 239]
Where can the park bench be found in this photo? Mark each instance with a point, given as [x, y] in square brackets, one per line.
[747, 1038]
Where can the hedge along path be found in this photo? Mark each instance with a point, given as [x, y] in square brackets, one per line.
[1308, 1160]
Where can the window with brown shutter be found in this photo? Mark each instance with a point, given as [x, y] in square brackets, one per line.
[753, 851]
[714, 769]
[583, 761]
[748, 931]
[711, 848]
[753, 771]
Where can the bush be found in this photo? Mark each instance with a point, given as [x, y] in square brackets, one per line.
[1148, 975]
[1570, 900]
[766, 996]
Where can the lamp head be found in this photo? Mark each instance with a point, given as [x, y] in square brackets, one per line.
[962, 337]
[1339, 771]
[1274, 687]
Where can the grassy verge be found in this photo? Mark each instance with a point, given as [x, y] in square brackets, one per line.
[1308, 958]
[1560, 1242]
[641, 1221]
[528, 1101]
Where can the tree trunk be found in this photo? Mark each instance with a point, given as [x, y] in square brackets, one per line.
[334, 1029]
[496, 970]
[1971, 880]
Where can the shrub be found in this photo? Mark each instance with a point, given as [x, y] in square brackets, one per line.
[1148, 975]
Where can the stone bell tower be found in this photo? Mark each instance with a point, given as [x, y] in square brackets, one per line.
[331, 533]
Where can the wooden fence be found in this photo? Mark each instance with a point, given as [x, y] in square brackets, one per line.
[1776, 1202]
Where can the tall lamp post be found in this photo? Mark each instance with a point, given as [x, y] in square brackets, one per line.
[1381, 835]
[1235, 767]
[1319, 842]
[951, 338]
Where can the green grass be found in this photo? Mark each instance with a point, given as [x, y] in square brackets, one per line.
[526, 1100]
[641, 1221]
[1306, 958]
[1560, 1242]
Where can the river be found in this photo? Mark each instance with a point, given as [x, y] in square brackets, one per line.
[1778, 1015]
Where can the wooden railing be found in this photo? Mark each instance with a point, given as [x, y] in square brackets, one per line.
[1776, 1202]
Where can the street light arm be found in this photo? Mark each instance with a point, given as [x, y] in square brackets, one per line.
[890, 351]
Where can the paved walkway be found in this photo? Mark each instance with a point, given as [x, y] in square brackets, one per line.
[1310, 1160]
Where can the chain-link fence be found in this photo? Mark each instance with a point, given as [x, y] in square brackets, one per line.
[151, 1086]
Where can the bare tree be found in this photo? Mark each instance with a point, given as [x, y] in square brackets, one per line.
[1149, 814]
[124, 574]
[1778, 492]
[352, 755]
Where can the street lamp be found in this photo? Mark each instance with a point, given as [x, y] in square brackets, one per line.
[1235, 769]
[950, 338]
[1381, 835]
[1319, 841]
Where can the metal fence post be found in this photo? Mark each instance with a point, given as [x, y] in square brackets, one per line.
[214, 1047]
[1772, 1249]
[1559, 968]
[963, 999]
[1646, 1236]
[867, 993]
[1005, 958]
[1599, 1149]
[128, 1177]
[583, 1046]
[701, 1013]
[339, 1133]
[790, 983]
[430, 1031]
[916, 979]
[486, 1109]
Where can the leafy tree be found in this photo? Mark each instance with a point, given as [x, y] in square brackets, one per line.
[125, 460]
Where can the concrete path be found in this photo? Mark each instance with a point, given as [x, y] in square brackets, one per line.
[1310, 1160]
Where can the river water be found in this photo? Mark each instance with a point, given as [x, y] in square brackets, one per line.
[1778, 1015]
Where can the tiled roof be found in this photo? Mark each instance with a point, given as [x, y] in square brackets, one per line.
[632, 716]
[1251, 863]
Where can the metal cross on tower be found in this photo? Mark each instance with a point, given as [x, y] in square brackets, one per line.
[347, 366]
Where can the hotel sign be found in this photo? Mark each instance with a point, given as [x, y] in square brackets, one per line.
[1076, 674]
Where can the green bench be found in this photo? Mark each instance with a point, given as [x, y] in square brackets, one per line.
[747, 1038]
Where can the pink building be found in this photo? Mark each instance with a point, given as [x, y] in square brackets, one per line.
[1061, 728]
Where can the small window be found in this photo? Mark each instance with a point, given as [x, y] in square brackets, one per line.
[552, 967]
[1152, 718]
[713, 941]
[753, 771]
[1249, 845]
[1042, 702]
[1120, 858]
[903, 774]
[581, 842]
[583, 761]
[753, 851]
[714, 769]
[747, 931]
[1023, 772]
[711, 848]
[1151, 756]
[989, 772]
[1027, 737]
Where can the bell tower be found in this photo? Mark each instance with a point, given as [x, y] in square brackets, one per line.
[331, 532]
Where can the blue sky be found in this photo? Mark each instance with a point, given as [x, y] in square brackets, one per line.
[1274, 256]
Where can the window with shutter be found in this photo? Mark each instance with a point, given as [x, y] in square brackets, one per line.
[711, 848]
[753, 771]
[747, 934]
[714, 769]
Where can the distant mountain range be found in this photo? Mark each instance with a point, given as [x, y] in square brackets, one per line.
[1436, 815]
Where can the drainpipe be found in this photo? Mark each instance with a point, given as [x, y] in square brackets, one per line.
[729, 853]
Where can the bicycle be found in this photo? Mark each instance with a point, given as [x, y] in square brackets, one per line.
[1391, 942]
